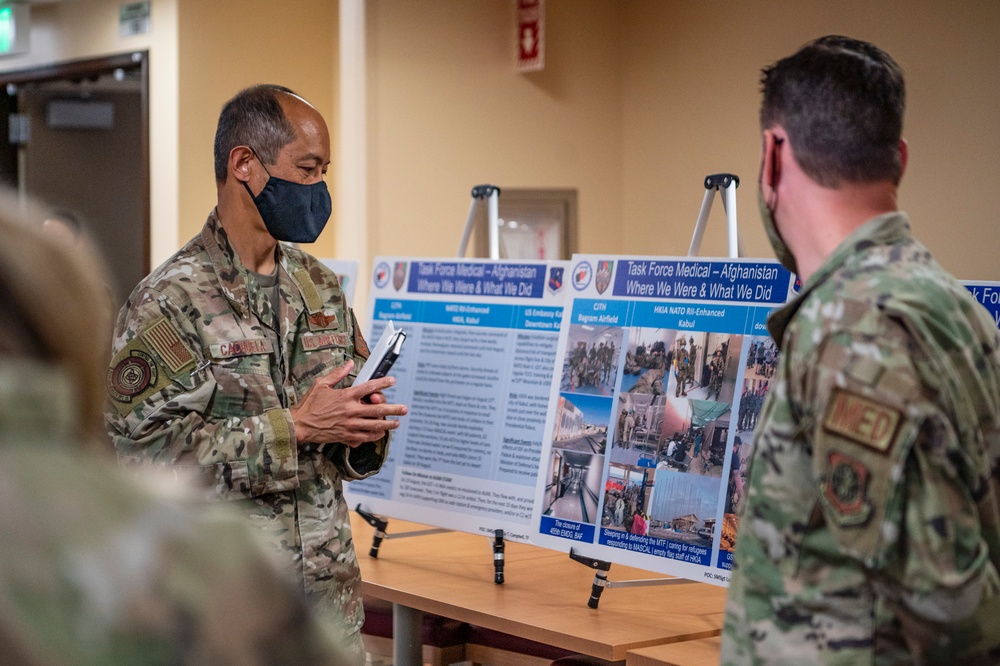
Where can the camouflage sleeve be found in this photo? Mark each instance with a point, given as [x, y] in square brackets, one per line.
[889, 466]
[164, 409]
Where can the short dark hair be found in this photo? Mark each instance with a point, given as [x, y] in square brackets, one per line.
[841, 100]
[254, 118]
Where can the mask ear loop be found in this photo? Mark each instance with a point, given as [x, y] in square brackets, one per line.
[263, 166]
[774, 173]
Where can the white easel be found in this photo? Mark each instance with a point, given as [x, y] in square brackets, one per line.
[491, 194]
[725, 184]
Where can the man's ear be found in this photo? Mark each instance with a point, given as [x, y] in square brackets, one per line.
[904, 156]
[239, 162]
[770, 166]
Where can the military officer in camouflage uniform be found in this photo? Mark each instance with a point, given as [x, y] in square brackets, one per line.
[233, 361]
[871, 532]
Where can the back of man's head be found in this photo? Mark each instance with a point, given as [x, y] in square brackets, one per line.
[841, 100]
[254, 118]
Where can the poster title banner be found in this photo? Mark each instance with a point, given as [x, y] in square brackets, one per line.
[463, 278]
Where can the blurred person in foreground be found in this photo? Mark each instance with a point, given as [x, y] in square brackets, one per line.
[871, 532]
[233, 361]
[93, 569]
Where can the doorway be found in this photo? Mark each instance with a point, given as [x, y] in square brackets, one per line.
[79, 142]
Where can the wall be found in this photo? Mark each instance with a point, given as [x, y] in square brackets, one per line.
[226, 46]
[639, 100]
[691, 97]
[448, 111]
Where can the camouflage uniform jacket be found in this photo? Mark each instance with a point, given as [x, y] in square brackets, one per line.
[96, 570]
[871, 532]
[195, 383]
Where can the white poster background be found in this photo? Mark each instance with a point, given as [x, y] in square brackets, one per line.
[475, 372]
[662, 363]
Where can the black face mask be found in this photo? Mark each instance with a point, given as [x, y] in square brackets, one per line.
[292, 212]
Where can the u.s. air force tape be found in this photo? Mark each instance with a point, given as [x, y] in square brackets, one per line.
[861, 419]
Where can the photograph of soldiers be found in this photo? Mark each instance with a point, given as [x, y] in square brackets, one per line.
[647, 360]
[682, 507]
[638, 429]
[762, 358]
[705, 365]
[626, 495]
[734, 493]
[582, 423]
[572, 485]
[591, 362]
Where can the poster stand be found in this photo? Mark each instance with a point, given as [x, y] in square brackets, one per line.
[725, 184]
[480, 193]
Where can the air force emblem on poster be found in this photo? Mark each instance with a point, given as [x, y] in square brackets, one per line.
[603, 277]
[555, 278]
[381, 274]
[399, 275]
[582, 273]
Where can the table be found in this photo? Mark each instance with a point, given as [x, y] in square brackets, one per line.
[688, 653]
[543, 599]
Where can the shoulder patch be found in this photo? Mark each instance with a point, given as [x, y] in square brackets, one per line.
[133, 377]
[163, 338]
[845, 489]
[861, 419]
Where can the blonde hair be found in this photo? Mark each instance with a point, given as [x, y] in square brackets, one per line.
[58, 308]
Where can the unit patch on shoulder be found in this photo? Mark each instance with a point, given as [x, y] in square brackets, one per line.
[131, 376]
[134, 376]
[861, 420]
[162, 337]
[845, 489]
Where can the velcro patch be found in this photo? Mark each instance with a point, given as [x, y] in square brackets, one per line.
[324, 340]
[242, 348]
[133, 377]
[164, 339]
[862, 420]
[845, 489]
[324, 319]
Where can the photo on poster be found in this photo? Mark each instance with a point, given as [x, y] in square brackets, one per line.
[626, 499]
[582, 423]
[703, 365]
[682, 434]
[572, 483]
[761, 363]
[682, 507]
[591, 362]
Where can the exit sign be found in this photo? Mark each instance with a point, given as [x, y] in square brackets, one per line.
[14, 29]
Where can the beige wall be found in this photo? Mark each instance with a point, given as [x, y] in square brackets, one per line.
[691, 98]
[448, 111]
[640, 100]
[226, 46]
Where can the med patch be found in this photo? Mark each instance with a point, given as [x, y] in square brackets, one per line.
[861, 419]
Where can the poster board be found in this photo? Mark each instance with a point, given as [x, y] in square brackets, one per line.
[347, 271]
[475, 371]
[663, 364]
[988, 295]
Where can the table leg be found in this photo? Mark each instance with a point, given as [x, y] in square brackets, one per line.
[407, 627]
